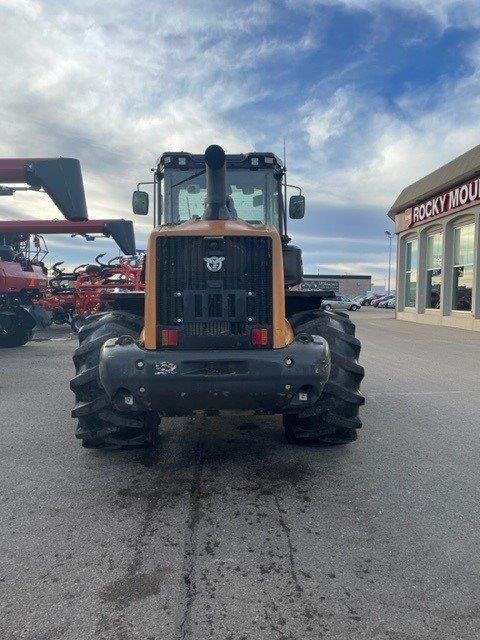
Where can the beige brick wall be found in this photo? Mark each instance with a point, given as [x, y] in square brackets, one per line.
[348, 286]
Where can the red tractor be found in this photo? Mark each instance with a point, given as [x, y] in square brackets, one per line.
[23, 276]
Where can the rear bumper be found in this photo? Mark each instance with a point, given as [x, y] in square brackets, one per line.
[176, 383]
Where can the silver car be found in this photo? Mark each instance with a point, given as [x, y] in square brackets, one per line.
[340, 302]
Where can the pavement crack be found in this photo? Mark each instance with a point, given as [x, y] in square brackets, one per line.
[188, 582]
[291, 550]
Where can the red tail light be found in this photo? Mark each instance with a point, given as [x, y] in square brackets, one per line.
[170, 337]
[31, 283]
[259, 337]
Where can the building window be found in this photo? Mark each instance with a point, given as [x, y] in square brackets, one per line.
[411, 263]
[434, 270]
[464, 243]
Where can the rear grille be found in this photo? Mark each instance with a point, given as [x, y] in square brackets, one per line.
[226, 302]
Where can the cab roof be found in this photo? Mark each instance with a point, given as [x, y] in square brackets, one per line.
[185, 160]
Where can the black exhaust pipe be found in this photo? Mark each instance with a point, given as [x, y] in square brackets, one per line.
[217, 205]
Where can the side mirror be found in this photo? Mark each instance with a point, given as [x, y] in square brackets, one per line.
[140, 203]
[296, 207]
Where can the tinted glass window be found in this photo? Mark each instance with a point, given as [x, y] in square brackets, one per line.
[255, 195]
[411, 262]
[464, 244]
[434, 271]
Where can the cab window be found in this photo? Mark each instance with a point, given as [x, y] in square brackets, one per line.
[255, 195]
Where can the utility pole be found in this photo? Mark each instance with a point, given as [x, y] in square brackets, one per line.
[285, 182]
[389, 235]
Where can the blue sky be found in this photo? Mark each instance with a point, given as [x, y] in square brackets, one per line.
[370, 94]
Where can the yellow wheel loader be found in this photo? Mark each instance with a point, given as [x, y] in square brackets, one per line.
[221, 326]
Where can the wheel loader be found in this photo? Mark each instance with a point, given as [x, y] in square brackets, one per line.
[222, 326]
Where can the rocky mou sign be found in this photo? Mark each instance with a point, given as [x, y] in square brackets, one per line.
[465, 195]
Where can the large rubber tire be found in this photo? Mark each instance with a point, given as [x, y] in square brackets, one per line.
[335, 418]
[100, 424]
[16, 337]
[14, 332]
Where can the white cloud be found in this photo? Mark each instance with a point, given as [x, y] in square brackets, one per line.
[115, 85]
[316, 239]
[364, 151]
[325, 122]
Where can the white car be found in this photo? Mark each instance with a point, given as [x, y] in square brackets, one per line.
[340, 302]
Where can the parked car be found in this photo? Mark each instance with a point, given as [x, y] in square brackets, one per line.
[392, 303]
[361, 299]
[384, 298]
[384, 301]
[340, 302]
[371, 297]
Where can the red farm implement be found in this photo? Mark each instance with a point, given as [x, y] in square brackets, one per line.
[73, 296]
[23, 276]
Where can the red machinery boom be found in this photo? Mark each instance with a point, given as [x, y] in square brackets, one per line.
[60, 178]
[120, 230]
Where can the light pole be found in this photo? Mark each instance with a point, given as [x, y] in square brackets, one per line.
[389, 235]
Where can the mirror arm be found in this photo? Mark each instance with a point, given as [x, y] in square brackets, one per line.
[140, 183]
[294, 186]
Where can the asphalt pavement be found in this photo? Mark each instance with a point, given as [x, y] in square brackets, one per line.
[228, 533]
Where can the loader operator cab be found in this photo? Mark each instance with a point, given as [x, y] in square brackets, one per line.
[254, 186]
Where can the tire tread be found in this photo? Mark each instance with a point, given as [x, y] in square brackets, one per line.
[335, 419]
[99, 423]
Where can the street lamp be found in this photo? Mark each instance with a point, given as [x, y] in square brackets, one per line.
[389, 235]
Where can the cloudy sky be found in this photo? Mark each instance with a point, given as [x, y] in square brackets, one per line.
[370, 94]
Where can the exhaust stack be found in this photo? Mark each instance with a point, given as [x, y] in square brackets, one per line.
[218, 205]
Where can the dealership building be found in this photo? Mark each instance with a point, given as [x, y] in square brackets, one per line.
[437, 222]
